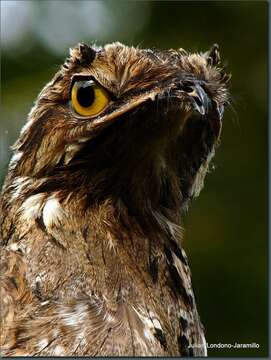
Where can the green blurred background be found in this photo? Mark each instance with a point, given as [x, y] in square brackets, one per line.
[226, 227]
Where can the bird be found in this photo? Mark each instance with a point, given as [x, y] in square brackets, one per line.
[115, 147]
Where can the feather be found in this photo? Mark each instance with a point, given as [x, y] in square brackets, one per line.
[92, 262]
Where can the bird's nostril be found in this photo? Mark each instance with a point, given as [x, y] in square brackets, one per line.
[187, 86]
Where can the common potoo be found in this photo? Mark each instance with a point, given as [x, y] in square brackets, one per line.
[114, 148]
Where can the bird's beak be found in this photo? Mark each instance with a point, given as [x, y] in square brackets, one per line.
[199, 99]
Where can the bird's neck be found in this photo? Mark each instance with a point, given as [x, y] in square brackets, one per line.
[103, 249]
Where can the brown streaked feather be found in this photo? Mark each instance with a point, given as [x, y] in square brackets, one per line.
[15, 293]
[91, 208]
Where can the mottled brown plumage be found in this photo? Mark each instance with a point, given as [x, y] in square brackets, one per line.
[91, 208]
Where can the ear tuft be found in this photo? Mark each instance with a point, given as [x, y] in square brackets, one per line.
[87, 53]
[213, 55]
[82, 54]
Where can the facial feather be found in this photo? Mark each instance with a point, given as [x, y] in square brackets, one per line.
[92, 205]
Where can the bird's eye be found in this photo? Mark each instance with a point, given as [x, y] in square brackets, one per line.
[88, 98]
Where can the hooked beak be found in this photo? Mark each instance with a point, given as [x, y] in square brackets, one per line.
[197, 96]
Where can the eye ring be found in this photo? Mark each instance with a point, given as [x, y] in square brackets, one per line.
[88, 98]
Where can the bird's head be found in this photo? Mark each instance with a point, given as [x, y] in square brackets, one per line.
[141, 125]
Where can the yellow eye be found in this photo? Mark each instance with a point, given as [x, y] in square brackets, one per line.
[88, 98]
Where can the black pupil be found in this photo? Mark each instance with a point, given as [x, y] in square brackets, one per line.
[85, 94]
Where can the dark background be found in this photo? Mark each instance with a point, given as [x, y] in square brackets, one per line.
[226, 227]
